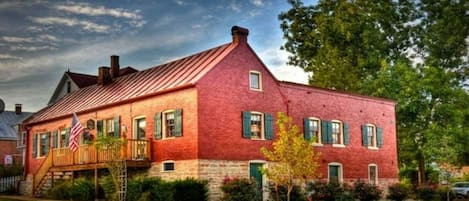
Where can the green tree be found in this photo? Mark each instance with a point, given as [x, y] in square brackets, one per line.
[293, 157]
[414, 52]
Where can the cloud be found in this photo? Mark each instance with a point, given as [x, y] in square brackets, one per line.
[8, 56]
[13, 39]
[86, 9]
[70, 22]
[47, 38]
[258, 3]
[179, 2]
[32, 48]
[235, 7]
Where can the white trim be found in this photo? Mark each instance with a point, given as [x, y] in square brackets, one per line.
[163, 124]
[341, 174]
[262, 132]
[168, 161]
[259, 74]
[369, 176]
[375, 137]
[134, 125]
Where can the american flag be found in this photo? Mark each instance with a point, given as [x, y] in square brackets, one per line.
[75, 131]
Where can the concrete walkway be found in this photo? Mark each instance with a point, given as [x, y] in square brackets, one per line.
[20, 197]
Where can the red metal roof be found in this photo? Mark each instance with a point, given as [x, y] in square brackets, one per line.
[82, 80]
[170, 76]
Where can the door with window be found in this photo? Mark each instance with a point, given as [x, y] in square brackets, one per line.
[138, 143]
[255, 174]
[335, 174]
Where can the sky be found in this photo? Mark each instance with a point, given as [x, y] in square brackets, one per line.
[41, 39]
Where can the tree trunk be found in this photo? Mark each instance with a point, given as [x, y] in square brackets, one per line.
[421, 168]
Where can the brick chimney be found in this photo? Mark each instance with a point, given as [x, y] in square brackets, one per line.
[104, 75]
[240, 34]
[115, 68]
[18, 109]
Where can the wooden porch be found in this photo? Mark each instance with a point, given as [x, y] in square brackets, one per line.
[135, 153]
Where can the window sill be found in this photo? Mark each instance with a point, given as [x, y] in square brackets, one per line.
[257, 139]
[373, 148]
[253, 89]
[338, 145]
[167, 171]
[317, 144]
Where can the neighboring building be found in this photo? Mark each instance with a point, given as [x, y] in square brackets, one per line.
[12, 141]
[71, 81]
[207, 115]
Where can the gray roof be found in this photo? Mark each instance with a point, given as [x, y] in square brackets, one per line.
[8, 120]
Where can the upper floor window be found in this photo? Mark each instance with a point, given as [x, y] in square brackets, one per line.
[337, 134]
[41, 143]
[140, 125]
[371, 136]
[334, 132]
[255, 80]
[168, 124]
[257, 125]
[312, 129]
[109, 127]
[69, 86]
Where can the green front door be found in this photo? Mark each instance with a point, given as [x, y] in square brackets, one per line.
[255, 173]
[334, 173]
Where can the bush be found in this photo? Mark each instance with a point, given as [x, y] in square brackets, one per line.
[158, 189]
[398, 192]
[280, 193]
[11, 170]
[427, 193]
[80, 190]
[107, 184]
[235, 189]
[365, 191]
[190, 190]
[331, 191]
[445, 192]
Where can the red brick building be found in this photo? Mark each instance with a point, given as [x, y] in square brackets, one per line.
[207, 116]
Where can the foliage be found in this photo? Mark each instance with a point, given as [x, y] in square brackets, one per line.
[365, 191]
[10, 170]
[328, 191]
[79, 190]
[190, 190]
[280, 193]
[414, 52]
[427, 193]
[293, 157]
[108, 187]
[445, 192]
[398, 192]
[235, 189]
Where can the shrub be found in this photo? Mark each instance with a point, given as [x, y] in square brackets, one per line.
[235, 189]
[280, 193]
[446, 192]
[60, 191]
[190, 190]
[365, 191]
[398, 192]
[427, 193]
[79, 190]
[328, 191]
[107, 184]
[158, 189]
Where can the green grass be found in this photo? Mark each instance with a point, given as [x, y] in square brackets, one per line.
[8, 199]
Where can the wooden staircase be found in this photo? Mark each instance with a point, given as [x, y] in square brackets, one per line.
[40, 178]
[50, 179]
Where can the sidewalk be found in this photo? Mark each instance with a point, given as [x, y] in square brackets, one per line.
[20, 197]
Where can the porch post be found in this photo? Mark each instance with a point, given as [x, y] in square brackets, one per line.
[95, 182]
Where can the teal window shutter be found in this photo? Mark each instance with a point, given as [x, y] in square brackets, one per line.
[67, 136]
[99, 128]
[324, 132]
[364, 136]
[329, 132]
[116, 126]
[346, 134]
[306, 129]
[55, 139]
[47, 144]
[379, 136]
[269, 127]
[157, 129]
[34, 151]
[177, 123]
[246, 124]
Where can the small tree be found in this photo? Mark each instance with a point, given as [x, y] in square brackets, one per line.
[293, 157]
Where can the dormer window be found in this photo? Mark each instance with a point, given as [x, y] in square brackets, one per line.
[255, 80]
[69, 86]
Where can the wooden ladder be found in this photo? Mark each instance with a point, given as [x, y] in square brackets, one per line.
[122, 180]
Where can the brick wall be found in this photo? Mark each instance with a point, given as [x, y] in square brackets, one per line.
[8, 147]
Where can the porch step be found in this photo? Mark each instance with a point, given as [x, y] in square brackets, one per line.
[46, 182]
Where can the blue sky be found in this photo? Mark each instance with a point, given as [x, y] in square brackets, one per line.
[40, 39]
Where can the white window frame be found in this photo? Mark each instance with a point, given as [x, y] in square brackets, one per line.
[164, 124]
[376, 174]
[341, 133]
[262, 131]
[135, 125]
[259, 75]
[373, 144]
[109, 126]
[22, 139]
[341, 172]
[318, 141]
[39, 138]
[166, 162]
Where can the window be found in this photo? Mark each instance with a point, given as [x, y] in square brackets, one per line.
[337, 137]
[168, 166]
[41, 143]
[168, 124]
[69, 86]
[371, 136]
[22, 140]
[257, 125]
[109, 127]
[255, 80]
[312, 129]
[335, 172]
[140, 124]
[373, 174]
[63, 138]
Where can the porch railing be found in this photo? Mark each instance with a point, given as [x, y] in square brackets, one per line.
[133, 149]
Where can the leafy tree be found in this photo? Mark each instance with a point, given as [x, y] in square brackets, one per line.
[414, 52]
[293, 157]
